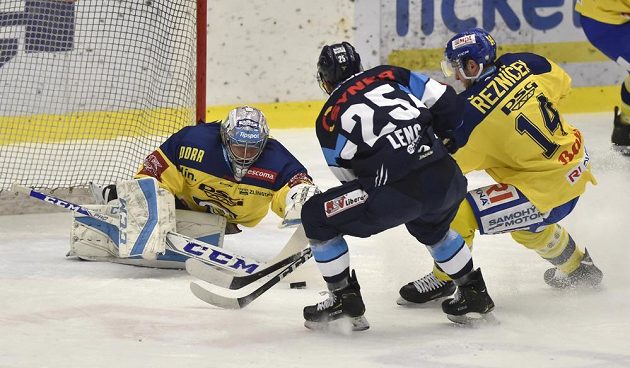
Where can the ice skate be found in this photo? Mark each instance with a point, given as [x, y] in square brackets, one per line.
[621, 134]
[342, 310]
[426, 289]
[471, 303]
[586, 275]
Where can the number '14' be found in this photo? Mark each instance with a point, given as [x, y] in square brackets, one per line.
[551, 119]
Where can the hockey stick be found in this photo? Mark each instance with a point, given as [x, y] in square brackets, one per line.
[175, 242]
[289, 253]
[64, 204]
[241, 302]
[210, 254]
[233, 282]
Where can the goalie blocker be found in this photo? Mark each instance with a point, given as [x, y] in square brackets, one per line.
[146, 215]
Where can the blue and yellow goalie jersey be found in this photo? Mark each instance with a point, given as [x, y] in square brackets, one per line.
[512, 129]
[193, 166]
[605, 11]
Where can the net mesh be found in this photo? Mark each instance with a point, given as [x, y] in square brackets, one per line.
[89, 88]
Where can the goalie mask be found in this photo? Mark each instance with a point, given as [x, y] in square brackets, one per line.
[244, 134]
[475, 44]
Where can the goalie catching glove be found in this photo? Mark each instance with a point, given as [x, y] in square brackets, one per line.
[296, 197]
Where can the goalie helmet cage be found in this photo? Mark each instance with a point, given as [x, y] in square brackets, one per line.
[89, 88]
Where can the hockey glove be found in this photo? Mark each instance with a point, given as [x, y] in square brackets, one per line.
[448, 139]
[296, 197]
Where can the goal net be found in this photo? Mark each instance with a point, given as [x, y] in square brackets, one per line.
[89, 88]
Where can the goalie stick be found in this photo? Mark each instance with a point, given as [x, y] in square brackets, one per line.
[64, 204]
[178, 243]
[291, 251]
[242, 301]
[233, 282]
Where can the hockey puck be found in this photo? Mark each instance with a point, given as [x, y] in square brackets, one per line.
[298, 285]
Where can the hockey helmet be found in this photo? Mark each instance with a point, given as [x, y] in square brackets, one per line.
[337, 63]
[244, 134]
[475, 44]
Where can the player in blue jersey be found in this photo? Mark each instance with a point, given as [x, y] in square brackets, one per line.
[378, 132]
[512, 130]
[606, 24]
[232, 169]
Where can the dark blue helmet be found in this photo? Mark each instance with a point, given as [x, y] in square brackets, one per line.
[475, 44]
[337, 63]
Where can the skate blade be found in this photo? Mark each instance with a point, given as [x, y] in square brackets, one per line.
[474, 319]
[341, 325]
[428, 304]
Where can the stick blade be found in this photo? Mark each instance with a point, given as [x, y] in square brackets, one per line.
[208, 273]
[214, 299]
[296, 243]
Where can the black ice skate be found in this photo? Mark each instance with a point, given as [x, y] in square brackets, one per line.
[426, 289]
[471, 302]
[586, 275]
[342, 306]
[621, 134]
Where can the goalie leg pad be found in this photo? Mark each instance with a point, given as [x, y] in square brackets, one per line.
[93, 240]
[207, 227]
[147, 214]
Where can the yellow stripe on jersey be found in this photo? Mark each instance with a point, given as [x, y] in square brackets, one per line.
[605, 11]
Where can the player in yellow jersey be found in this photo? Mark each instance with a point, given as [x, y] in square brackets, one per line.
[512, 130]
[231, 168]
[231, 171]
[606, 24]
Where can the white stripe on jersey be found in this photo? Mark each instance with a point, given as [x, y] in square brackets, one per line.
[433, 90]
[348, 151]
[381, 177]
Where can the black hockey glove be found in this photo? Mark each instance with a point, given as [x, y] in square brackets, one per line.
[448, 139]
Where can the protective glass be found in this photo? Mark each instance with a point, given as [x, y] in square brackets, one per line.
[449, 67]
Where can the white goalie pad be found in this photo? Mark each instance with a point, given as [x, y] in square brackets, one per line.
[207, 227]
[91, 239]
[95, 240]
[147, 214]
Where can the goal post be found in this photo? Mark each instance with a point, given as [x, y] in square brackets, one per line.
[89, 88]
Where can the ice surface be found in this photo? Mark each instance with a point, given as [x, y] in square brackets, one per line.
[56, 312]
